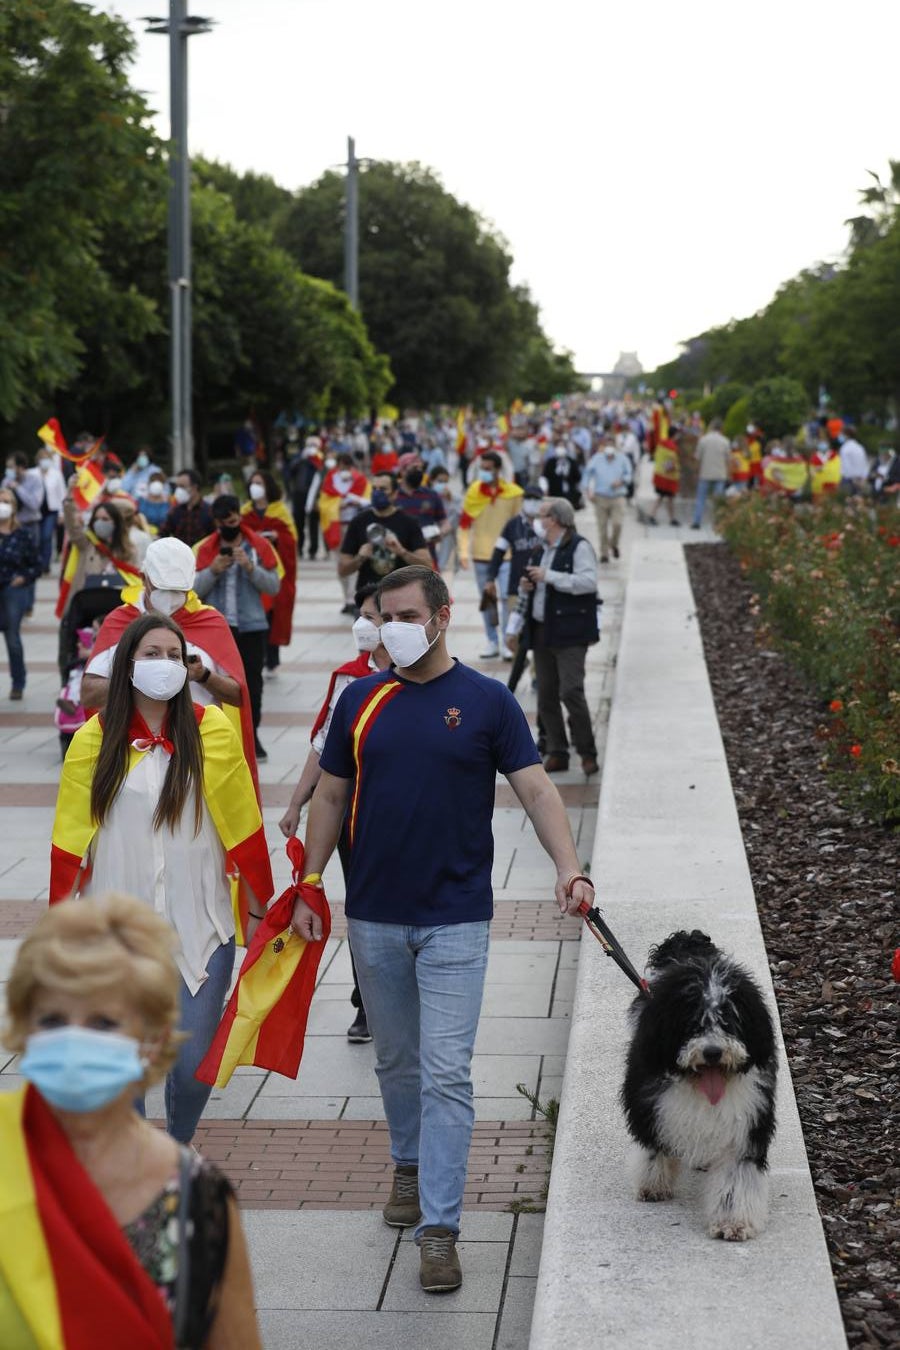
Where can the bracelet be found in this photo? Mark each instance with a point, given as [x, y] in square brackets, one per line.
[313, 879]
[204, 678]
[579, 876]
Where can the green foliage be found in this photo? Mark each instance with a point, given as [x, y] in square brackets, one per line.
[828, 593]
[737, 417]
[434, 288]
[778, 405]
[722, 399]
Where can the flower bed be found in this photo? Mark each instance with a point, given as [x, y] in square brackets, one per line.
[827, 593]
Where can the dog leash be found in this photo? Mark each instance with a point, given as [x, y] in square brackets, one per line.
[607, 938]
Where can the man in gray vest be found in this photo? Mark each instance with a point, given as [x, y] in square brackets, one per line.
[562, 625]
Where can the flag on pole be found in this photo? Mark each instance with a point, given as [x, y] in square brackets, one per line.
[51, 434]
[265, 1021]
[89, 483]
[461, 437]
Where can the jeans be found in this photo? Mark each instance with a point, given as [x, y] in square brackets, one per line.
[48, 535]
[201, 1014]
[705, 486]
[15, 600]
[422, 989]
[481, 577]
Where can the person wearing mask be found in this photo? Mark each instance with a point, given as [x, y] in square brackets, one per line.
[345, 492]
[304, 479]
[215, 668]
[267, 514]
[439, 481]
[120, 1236]
[562, 624]
[27, 485]
[190, 519]
[236, 567]
[19, 568]
[156, 800]
[606, 480]
[114, 485]
[153, 503]
[421, 942]
[371, 656]
[562, 471]
[713, 468]
[422, 503]
[382, 538]
[100, 560]
[139, 475]
[54, 495]
[517, 542]
[490, 502]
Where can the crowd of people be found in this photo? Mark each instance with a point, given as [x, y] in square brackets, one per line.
[173, 604]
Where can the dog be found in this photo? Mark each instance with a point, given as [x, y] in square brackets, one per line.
[699, 1085]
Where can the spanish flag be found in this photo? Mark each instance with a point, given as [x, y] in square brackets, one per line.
[89, 483]
[824, 472]
[503, 425]
[69, 1279]
[265, 1021]
[461, 437]
[51, 434]
[129, 572]
[784, 475]
[330, 500]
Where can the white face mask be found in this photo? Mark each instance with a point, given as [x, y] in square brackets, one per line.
[540, 529]
[103, 529]
[159, 680]
[167, 602]
[530, 507]
[113, 484]
[366, 634]
[257, 491]
[330, 462]
[182, 496]
[5, 511]
[406, 643]
[155, 489]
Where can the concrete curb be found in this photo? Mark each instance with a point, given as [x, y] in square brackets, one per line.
[668, 854]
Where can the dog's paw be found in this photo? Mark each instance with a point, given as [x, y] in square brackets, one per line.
[732, 1230]
[655, 1193]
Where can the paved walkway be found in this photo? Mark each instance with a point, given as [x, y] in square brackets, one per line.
[309, 1159]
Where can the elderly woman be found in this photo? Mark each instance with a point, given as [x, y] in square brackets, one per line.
[110, 1233]
[19, 568]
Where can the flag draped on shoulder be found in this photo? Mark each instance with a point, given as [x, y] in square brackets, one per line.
[265, 1022]
[68, 1276]
[128, 571]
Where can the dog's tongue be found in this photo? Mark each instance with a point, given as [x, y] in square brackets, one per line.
[711, 1082]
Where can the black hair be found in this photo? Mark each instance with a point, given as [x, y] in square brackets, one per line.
[388, 473]
[226, 505]
[363, 592]
[191, 475]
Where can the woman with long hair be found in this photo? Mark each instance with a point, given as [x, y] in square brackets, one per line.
[99, 560]
[156, 799]
[19, 569]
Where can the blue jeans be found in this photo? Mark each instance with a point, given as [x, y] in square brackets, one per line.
[481, 577]
[201, 1014]
[705, 486]
[15, 600]
[422, 991]
[48, 534]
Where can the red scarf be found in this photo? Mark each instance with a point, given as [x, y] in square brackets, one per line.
[142, 738]
[358, 667]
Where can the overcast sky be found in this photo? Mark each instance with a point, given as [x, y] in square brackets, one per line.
[656, 168]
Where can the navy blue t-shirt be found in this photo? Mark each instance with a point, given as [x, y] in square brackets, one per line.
[424, 760]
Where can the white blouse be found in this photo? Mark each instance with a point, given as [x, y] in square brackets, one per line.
[180, 875]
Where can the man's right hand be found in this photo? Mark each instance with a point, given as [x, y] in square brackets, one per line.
[289, 822]
[306, 922]
[221, 563]
[366, 550]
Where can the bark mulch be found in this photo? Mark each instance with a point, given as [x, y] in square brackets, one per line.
[827, 884]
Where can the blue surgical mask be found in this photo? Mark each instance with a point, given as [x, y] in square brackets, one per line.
[79, 1069]
[380, 500]
[486, 475]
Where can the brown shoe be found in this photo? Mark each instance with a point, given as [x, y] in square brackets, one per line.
[556, 763]
[402, 1209]
[439, 1269]
[589, 765]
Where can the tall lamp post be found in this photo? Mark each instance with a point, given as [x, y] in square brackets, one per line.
[179, 27]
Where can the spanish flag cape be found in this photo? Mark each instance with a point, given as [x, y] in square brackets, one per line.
[69, 1279]
[130, 572]
[754, 445]
[278, 520]
[783, 473]
[204, 627]
[330, 504]
[227, 791]
[479, 495]
[824, 472]
[666, 466]
[265, 1021]
[740, 464]
[356, 668]
[208, 549]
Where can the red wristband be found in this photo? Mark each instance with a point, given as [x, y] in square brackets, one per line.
[578, 877]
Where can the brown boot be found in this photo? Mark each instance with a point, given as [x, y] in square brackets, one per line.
[402, 1209]
[439, 1269]
[556, 763]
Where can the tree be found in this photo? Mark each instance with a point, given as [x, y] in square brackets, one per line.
[778, 405]
[434, 286]
[78, 166]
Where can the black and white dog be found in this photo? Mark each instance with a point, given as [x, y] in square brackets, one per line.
[699, 1085]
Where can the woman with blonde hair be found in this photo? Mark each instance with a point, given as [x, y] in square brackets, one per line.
[156, 799]
[110, 1233]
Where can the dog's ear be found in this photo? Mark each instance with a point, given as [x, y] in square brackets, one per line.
[680, 946]
[756, 1026]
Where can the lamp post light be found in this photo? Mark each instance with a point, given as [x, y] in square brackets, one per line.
[179, 27]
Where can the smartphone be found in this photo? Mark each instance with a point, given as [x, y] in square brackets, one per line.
[226, 551]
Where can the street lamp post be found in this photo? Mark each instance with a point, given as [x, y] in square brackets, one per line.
[179, 27]
[351, 226]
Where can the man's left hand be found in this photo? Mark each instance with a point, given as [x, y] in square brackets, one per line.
[536, 574]
[244, 560]
[392, 544]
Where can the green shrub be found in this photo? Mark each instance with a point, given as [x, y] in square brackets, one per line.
[778, 405]
[827, 583]
[737, 417]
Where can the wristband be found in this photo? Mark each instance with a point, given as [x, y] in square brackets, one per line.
[578, 877]
[313, 879]
[204, 678]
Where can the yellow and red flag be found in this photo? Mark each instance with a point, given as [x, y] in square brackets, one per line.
[51, 434]
[461, 437]
[503, 425]
[89, 483]
[265, 1021]
[825, 472]
[783, 474]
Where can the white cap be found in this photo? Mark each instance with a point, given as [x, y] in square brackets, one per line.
[169, 565]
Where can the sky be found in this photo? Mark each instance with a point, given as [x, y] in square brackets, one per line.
[655, 168]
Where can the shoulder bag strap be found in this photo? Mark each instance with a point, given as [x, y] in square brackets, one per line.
[183, 1275]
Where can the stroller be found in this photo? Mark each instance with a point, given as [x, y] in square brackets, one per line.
[69, 713]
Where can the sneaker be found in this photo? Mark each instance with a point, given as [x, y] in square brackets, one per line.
[402, 1209]
[16, 695]
[651, 520]
[506, 654]
[604, 557]
[676, 523]
[614, 551]
[489, 654]
[439, 1270]
[260, 753]
[695, 525]
[359, 1032]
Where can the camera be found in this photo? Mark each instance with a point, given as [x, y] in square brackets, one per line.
[226, 551]
[375, 534]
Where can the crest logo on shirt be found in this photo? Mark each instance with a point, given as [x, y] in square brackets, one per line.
[453, 717]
